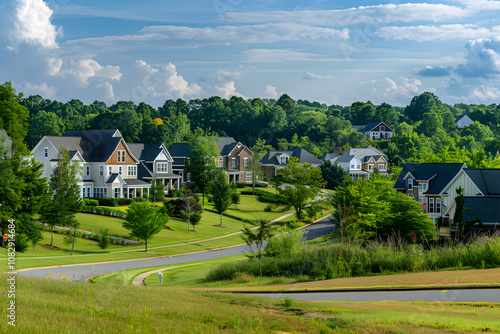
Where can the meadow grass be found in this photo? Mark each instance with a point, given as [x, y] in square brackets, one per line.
[337, 260]
[47, 306]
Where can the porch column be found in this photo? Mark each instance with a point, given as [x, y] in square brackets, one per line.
[148, 192]
[178, 184]
[128, 193]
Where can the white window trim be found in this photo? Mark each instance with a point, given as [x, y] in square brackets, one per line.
[46, 152]
[245, 162]
[121, 156]
[233, 162]
[101, 170]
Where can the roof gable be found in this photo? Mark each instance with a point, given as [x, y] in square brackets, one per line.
[439, 175]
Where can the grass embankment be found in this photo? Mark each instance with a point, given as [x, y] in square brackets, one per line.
[111, 308]
[167, 242]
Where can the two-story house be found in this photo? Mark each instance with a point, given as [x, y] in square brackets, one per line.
[361, 162]
[429, 184]
[155, 163]
[234, 158]
[277, 159]
[109, 169]
[180, 153]
[375, 130]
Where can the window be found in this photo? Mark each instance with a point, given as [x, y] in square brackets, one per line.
[233, 162]
[438, 205]
[162, 167]
[121, 156]
[353, 166]
[132, 170]
[101, 170]
[422, 187]
[118, 193]
[245, 162]
[220, 162]
[46, 151]
[431, 205]
[86, 191]
[424, 206]
[381, 166]
[120, 170]
[410, 184]
[382, 128]
[110, 170]
[284, 160]
[248, 177]
[100, 192]
[370, 167]
[358, 167]
[87, 168]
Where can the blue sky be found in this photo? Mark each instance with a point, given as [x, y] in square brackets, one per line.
[328, 51]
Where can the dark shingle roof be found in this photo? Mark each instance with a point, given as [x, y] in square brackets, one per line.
[225, 141]
[113, 177]
[486, 179]
[145, 152]
[440, 173]
[304, 157]
[180, 150]
[363, 154]
[93, 145]
[371, 126]
[328, 156]
[486, 208]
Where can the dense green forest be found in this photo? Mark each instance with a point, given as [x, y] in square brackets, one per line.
[425, 130]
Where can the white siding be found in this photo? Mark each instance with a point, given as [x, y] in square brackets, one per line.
[461, 181]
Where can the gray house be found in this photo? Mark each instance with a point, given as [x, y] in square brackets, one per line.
[277, 159]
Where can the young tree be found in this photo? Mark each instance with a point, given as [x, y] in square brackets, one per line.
[66, 200]
[333, 174]
[144, 221]
[219, 192]
[458, 216]
[303, 183]
[202, 161]
[192, 210]
[259, 150]
[257, 237]
[157, 190]
[235, 198]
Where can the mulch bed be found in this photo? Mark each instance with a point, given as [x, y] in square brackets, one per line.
[49, 247]
[98, 214]
[168, 228]
[219, 226]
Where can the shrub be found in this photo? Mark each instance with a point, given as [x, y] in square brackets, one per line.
[104, 239]
[123, 201]
[265, 196]
[90, 202]
[106, 201]
[285, 244]
[21, 243]
[268, 208]
[174, 207]
[78, 234]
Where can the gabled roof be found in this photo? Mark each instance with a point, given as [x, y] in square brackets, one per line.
[271, 158]
[358, 127]
[373, 125]
[147, 152]
[113, 177]
[363, 154]
[93, 145]
[440, 173]
[225, 145]
[336, 153]
[486, 179]
[180, 150]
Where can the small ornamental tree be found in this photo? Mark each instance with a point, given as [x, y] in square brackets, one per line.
[144, 221]
[191, 211]
[256, 237]
[219, 192]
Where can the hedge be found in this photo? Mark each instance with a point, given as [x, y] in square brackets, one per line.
[265, 196]
[104, 211]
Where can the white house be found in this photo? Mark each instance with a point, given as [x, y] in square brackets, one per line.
[361, 162]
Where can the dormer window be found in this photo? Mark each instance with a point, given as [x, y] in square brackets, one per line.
[284, 160]
[410, 184]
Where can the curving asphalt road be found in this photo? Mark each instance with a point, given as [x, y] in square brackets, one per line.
[82, 272]
[469, 295]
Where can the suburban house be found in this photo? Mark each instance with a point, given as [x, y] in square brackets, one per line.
[180, 153]
[429, 184]
[109, 168]
[277, 159]
[464, 121]
[6, 142]
[361, 162]
[481, 196]
[377, 130]
[234, 158]
[155, 162]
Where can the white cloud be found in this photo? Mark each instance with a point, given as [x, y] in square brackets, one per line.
[109, 91]
[312, 76]
[228, 90]
[54, 66]
[270, 92]
[430, 33]
[227, 75]
[381, 14]
[486, 93]
[483, 58]
[43, 89]
[188, 37]
[84, 69]
[32, 24]
[392, 90]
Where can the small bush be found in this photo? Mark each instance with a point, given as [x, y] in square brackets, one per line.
[106, 201]
[268, 208]
[90, 202]
[68, 240]
[78, 234]
[21, 243]
[104, 239]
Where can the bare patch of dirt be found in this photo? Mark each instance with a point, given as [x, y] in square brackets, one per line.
[49, 247]
[219, 226]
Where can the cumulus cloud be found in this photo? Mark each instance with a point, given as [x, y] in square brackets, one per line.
[390, 89]
[483, 58]
[228, 90]
[227, 75]
[312, 76]
[434, 72]
[31, 23]
[54, 66]
[270, 92]
[424, 33]
[486, 93]
[43, 89]
[84, 69]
